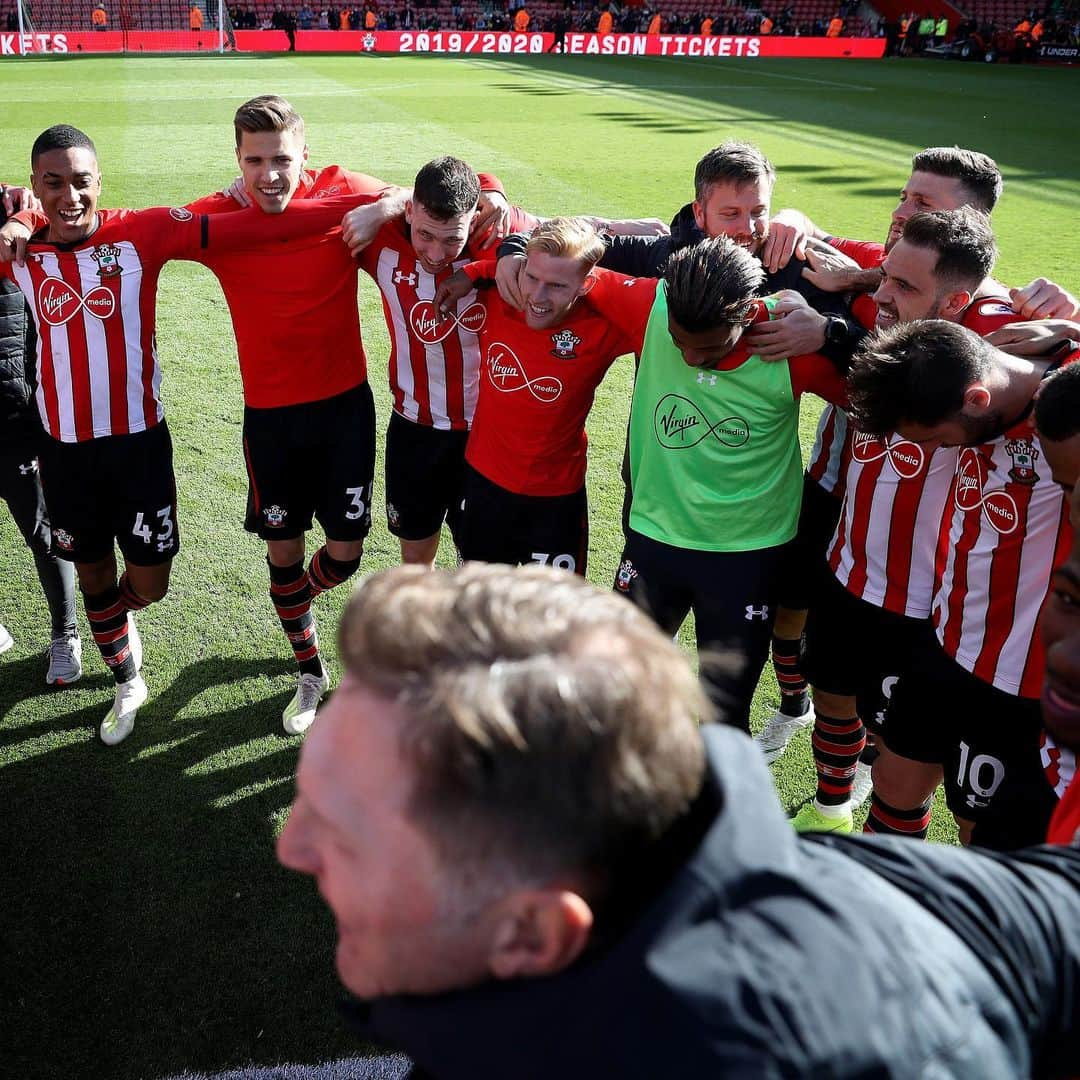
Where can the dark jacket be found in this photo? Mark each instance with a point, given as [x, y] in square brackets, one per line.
[762, 954]
[18, 412]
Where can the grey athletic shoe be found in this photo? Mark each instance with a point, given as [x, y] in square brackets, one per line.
[65, 660]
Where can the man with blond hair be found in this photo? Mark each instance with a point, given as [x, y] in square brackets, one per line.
[524, 486]
[540, 866]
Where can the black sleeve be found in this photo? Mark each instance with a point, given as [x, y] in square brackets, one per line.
[1019, 913]
[637, 256]
[514, 244]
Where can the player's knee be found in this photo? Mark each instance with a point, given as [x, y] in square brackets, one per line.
[346, 551]
[285, 552]
[901, 781]
[420, 552]
[838, 706]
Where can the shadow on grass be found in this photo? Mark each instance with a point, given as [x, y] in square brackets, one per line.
[141, 879]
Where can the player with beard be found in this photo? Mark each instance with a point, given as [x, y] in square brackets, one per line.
[90, 277]
[942, 178]
[966, 708]
[873, 609]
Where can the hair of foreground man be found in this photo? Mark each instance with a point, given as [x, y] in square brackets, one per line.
[540, 866]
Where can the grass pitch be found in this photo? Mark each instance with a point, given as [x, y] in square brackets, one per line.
[146, 925]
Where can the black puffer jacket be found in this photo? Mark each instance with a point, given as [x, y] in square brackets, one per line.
[18, 342]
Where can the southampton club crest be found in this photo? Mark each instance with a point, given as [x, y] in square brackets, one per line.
[275, 516]
[63, 539]
[565, 342]
[107, 256]
[624, 576]
[1024, 455]
[368, 42]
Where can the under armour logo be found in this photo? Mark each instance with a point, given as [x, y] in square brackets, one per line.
[753, 613]
[26, 470]
[702, 378]
[399, 277]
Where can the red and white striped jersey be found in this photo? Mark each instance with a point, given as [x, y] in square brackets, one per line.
[883, 547]
[831, 445]
[95, 305]
[1059, 764]
[894, 497]
[434, 365]
[1004, 529]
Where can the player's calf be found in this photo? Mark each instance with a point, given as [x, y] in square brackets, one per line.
[326, 572]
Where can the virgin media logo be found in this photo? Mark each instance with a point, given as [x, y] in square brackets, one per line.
[430, 327]
[906, 458]
[59, 303]
[998, 506]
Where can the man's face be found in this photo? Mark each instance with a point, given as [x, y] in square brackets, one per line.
[1060, 629]
[740, 211]
[925, 191]
[399, 928]
[68, 184]
[552, 285]
[271, 163]
[909, 290]
[437, 243]
[706, 348]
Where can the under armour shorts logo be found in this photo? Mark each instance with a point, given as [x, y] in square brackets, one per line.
[753, 613]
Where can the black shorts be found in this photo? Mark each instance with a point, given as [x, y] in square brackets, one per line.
[118, 489]
[20, 485]
[856, 649]
[805, 569]
[501, 526]
[424, 468]
[987, 742]
[315, 460]
[733, 597]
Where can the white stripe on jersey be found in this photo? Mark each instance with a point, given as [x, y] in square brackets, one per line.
[100, 412]
[825, 460]
[399, 360]
[130, 294]
[434, 358]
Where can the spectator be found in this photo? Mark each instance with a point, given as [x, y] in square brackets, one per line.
[99, 18]
[540, 866]
[605, 22]
[767, 24]
[836, 26]
[655, 23]
[521, 20]
[305, 18]
[706, 26]
[195, 18]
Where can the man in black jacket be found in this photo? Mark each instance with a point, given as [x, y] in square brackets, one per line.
[540, 866]
[20, 487]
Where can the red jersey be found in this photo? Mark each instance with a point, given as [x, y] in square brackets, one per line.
[537, 386]
[94, 304]
[434, 365]
[1005, 528]
[1060, 767]
[294, 312]
[894, 497]
[832, 441]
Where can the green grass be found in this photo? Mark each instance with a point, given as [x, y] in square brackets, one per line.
[146, 925]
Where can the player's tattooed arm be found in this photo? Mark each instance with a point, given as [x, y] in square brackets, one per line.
[359, 226]
[629, 226]
[833, 271]
[1044, 299]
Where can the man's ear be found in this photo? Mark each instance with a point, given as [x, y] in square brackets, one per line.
[955, 303]
[539, 932]
[699, 215]
[977, 397]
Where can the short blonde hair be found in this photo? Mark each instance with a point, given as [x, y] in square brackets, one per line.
[268, 112]
[551, 727]
[568, 237]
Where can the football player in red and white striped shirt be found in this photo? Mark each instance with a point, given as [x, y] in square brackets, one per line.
[90, 278]
[942, 178]
[969, 706]
[875, 603]
[434, 365]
